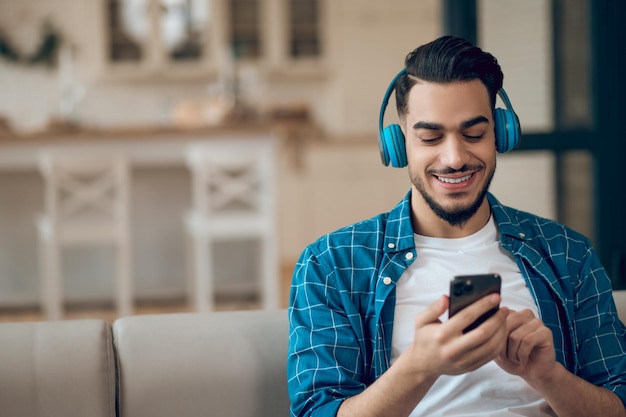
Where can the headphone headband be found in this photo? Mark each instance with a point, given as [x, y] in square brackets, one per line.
[390, 89]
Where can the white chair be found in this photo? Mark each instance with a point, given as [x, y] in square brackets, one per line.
[86, 204]
[233, 198]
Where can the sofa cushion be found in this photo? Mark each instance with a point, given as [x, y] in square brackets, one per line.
[219, 364]
[57, 369]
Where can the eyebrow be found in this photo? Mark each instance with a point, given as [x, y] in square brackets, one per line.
[437, 126]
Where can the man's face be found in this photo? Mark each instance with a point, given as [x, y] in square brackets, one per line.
[450, 143]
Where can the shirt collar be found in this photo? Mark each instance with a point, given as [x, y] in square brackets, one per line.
[399, 230]
[508, 223]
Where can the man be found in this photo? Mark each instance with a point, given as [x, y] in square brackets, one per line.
[369, 333]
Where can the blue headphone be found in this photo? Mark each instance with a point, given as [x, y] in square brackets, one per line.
[391, 139]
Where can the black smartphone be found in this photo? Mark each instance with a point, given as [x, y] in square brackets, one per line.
[466, 289]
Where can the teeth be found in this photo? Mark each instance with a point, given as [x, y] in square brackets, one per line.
[455, 180]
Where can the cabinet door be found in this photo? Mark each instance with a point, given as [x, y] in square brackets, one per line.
[158, 34]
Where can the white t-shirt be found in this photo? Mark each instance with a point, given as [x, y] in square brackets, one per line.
[488, 391]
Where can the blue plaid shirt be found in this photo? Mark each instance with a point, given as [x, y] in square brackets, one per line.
[343, 297]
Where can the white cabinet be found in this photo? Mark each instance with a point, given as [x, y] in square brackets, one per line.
[204, 38]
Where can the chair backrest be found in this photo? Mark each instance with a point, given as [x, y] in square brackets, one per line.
[57, 369]
[86, 194]
[221, 364]
[233, 178]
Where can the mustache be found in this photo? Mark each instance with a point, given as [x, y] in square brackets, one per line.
[450, 170]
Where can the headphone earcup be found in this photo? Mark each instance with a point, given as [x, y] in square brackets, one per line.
[393, 149]
[507, 130]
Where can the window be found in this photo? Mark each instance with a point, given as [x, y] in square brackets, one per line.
[304, 28]
[178, 25]
[122, 45]
[183, 23]
[245, 28]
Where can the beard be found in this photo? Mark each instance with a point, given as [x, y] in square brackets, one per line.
[456, 217]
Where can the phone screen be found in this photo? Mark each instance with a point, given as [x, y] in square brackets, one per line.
[466, 289]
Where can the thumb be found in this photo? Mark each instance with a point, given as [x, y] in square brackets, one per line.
[432, 313]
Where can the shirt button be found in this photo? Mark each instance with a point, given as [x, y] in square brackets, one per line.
[386, 280]
[391, 245]
[409, 256]
[522, 235]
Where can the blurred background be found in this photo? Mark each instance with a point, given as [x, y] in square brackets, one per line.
[149, 78]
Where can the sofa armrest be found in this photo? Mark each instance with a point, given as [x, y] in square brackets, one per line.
[219, 364]
[619, 296]
[57, 369]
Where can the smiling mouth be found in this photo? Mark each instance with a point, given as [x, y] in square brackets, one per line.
[454, 180]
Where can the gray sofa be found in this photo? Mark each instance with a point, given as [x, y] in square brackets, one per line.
[221, 364]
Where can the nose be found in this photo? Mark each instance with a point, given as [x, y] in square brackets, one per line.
[454, 153]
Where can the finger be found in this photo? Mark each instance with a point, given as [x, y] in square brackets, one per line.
[493, 329]
[519, 318]
[490, 352]
[537, 336]
[491, 336]
[519, 324]
[432, 313]
[480, 346]
[469, 314]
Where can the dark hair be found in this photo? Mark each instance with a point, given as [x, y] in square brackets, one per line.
[445, 60]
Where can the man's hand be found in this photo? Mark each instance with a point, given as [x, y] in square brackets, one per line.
[437, 349]
[529, 350]
[529, 353]
[442, 348]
